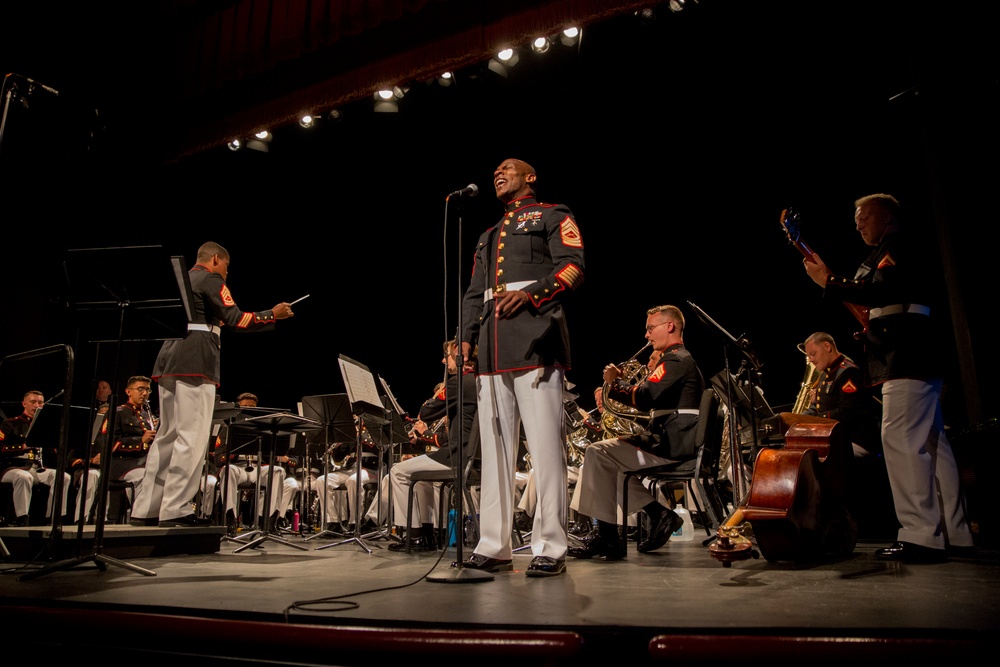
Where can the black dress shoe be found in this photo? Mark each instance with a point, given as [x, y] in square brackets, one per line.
[136, 521]
[660, 531]
[543, 566]
[599, 546]
[907, 552]
[23, 520]
[485, 564]
[422, 543]
[189, 521]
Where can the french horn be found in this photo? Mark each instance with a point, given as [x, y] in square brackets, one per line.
[620, 420]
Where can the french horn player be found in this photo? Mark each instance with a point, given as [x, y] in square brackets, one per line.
[668, 395]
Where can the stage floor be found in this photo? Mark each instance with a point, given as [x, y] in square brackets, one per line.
[339, 604]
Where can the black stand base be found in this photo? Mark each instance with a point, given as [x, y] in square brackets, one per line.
[457, 574]
[99, 560]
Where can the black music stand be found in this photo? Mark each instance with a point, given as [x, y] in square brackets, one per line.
[161, 303]
[224, 414]
[732, 399]
[334, 412]
[392, 433]
[365, 404]
[282, 423]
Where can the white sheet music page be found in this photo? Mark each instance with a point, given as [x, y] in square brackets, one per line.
[359, 382]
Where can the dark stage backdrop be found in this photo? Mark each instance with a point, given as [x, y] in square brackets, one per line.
[677, 144]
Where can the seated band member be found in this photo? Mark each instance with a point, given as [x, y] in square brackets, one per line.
[242, 468]
[672, 390]
[840, 393]
[133, 431]
[445, 457]
[22, 467]
[341, 472]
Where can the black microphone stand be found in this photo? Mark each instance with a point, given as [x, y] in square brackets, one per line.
[459, 573]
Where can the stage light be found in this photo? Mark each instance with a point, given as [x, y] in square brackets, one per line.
[446, 79]
[540, 44]
[335, 115]
[307, 121]
[646, 15]
[235, 145]
[263, 135]
[569, 36]
[676, 5]
[385, 101]
[506, 55]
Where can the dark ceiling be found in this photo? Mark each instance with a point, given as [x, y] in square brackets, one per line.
[676, 142]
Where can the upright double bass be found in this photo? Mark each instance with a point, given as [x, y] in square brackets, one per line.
[796, 508]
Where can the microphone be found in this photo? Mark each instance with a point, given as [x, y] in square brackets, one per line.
[471, 189]
[30, 81]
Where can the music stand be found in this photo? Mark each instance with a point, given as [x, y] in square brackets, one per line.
[334, 412]
[731, 399]
[366, 406]
[282, 423]
[98, 282]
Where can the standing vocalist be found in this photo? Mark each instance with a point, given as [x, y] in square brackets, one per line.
[525, 267]
[187, 372]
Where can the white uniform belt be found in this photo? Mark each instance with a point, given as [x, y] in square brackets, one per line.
[505, 287]
[898, 308]
[205, 327]
[680, 411]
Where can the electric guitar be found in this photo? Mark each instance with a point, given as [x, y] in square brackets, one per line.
[790, 223]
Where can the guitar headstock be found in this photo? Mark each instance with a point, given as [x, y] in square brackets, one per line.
[790, 223]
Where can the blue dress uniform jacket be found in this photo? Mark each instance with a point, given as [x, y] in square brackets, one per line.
[197, 354]
[128, 451]
[675, 384]
[841, 395]
[895, 282]
[534, 243]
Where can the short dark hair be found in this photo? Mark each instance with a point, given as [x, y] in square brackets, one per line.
[246, 396]
[138, 378]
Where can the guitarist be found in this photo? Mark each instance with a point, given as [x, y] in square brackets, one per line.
[894, 283]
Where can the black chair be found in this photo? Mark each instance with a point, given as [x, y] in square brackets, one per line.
[701, 473]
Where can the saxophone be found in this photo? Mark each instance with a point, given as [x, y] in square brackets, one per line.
[809, 381]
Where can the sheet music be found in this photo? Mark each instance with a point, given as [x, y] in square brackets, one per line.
[359, 382]
[388, 392]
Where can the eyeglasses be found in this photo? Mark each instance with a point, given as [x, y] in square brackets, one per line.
[141, 390]
[650, 327]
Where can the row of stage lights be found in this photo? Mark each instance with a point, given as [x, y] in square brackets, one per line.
[386, 100]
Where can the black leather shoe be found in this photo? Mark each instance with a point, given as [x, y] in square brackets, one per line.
[23, 520]
[660, 531]
[543, 566]
[421, 543]
[599, 546]
[189, 521]
[485, 564]
[136, 521]
[907, 552]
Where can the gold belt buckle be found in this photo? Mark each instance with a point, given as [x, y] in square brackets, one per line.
[500, 289]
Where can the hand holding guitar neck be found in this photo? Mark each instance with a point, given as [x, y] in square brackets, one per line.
[814, 266]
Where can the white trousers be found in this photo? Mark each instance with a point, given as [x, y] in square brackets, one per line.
[22, 482]
[174, 463]
[923, 473]
[533, 398]
[335, 506]
[238, 474]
